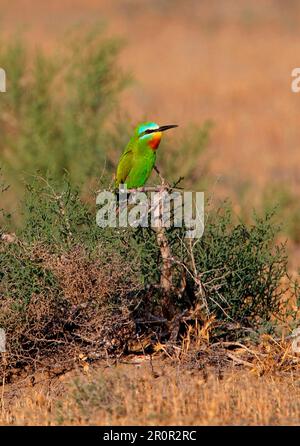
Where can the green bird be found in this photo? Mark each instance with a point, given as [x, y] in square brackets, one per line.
[138, 159]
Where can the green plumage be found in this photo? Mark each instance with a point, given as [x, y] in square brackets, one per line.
[136, 162]
[139, 156]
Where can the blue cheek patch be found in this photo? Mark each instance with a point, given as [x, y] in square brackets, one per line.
[147, 136]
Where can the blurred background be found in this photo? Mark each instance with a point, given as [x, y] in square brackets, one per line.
[82, 73]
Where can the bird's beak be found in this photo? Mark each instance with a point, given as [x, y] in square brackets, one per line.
[162, 128]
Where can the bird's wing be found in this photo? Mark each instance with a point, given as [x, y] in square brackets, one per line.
[124, 167]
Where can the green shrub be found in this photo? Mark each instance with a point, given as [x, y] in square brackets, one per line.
[66, 282]
[55, 112]
[240, 266]
[242, 271]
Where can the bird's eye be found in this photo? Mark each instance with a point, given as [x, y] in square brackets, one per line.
[148, 131]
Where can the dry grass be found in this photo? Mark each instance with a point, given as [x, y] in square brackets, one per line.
[199, 383]
[131, 394]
